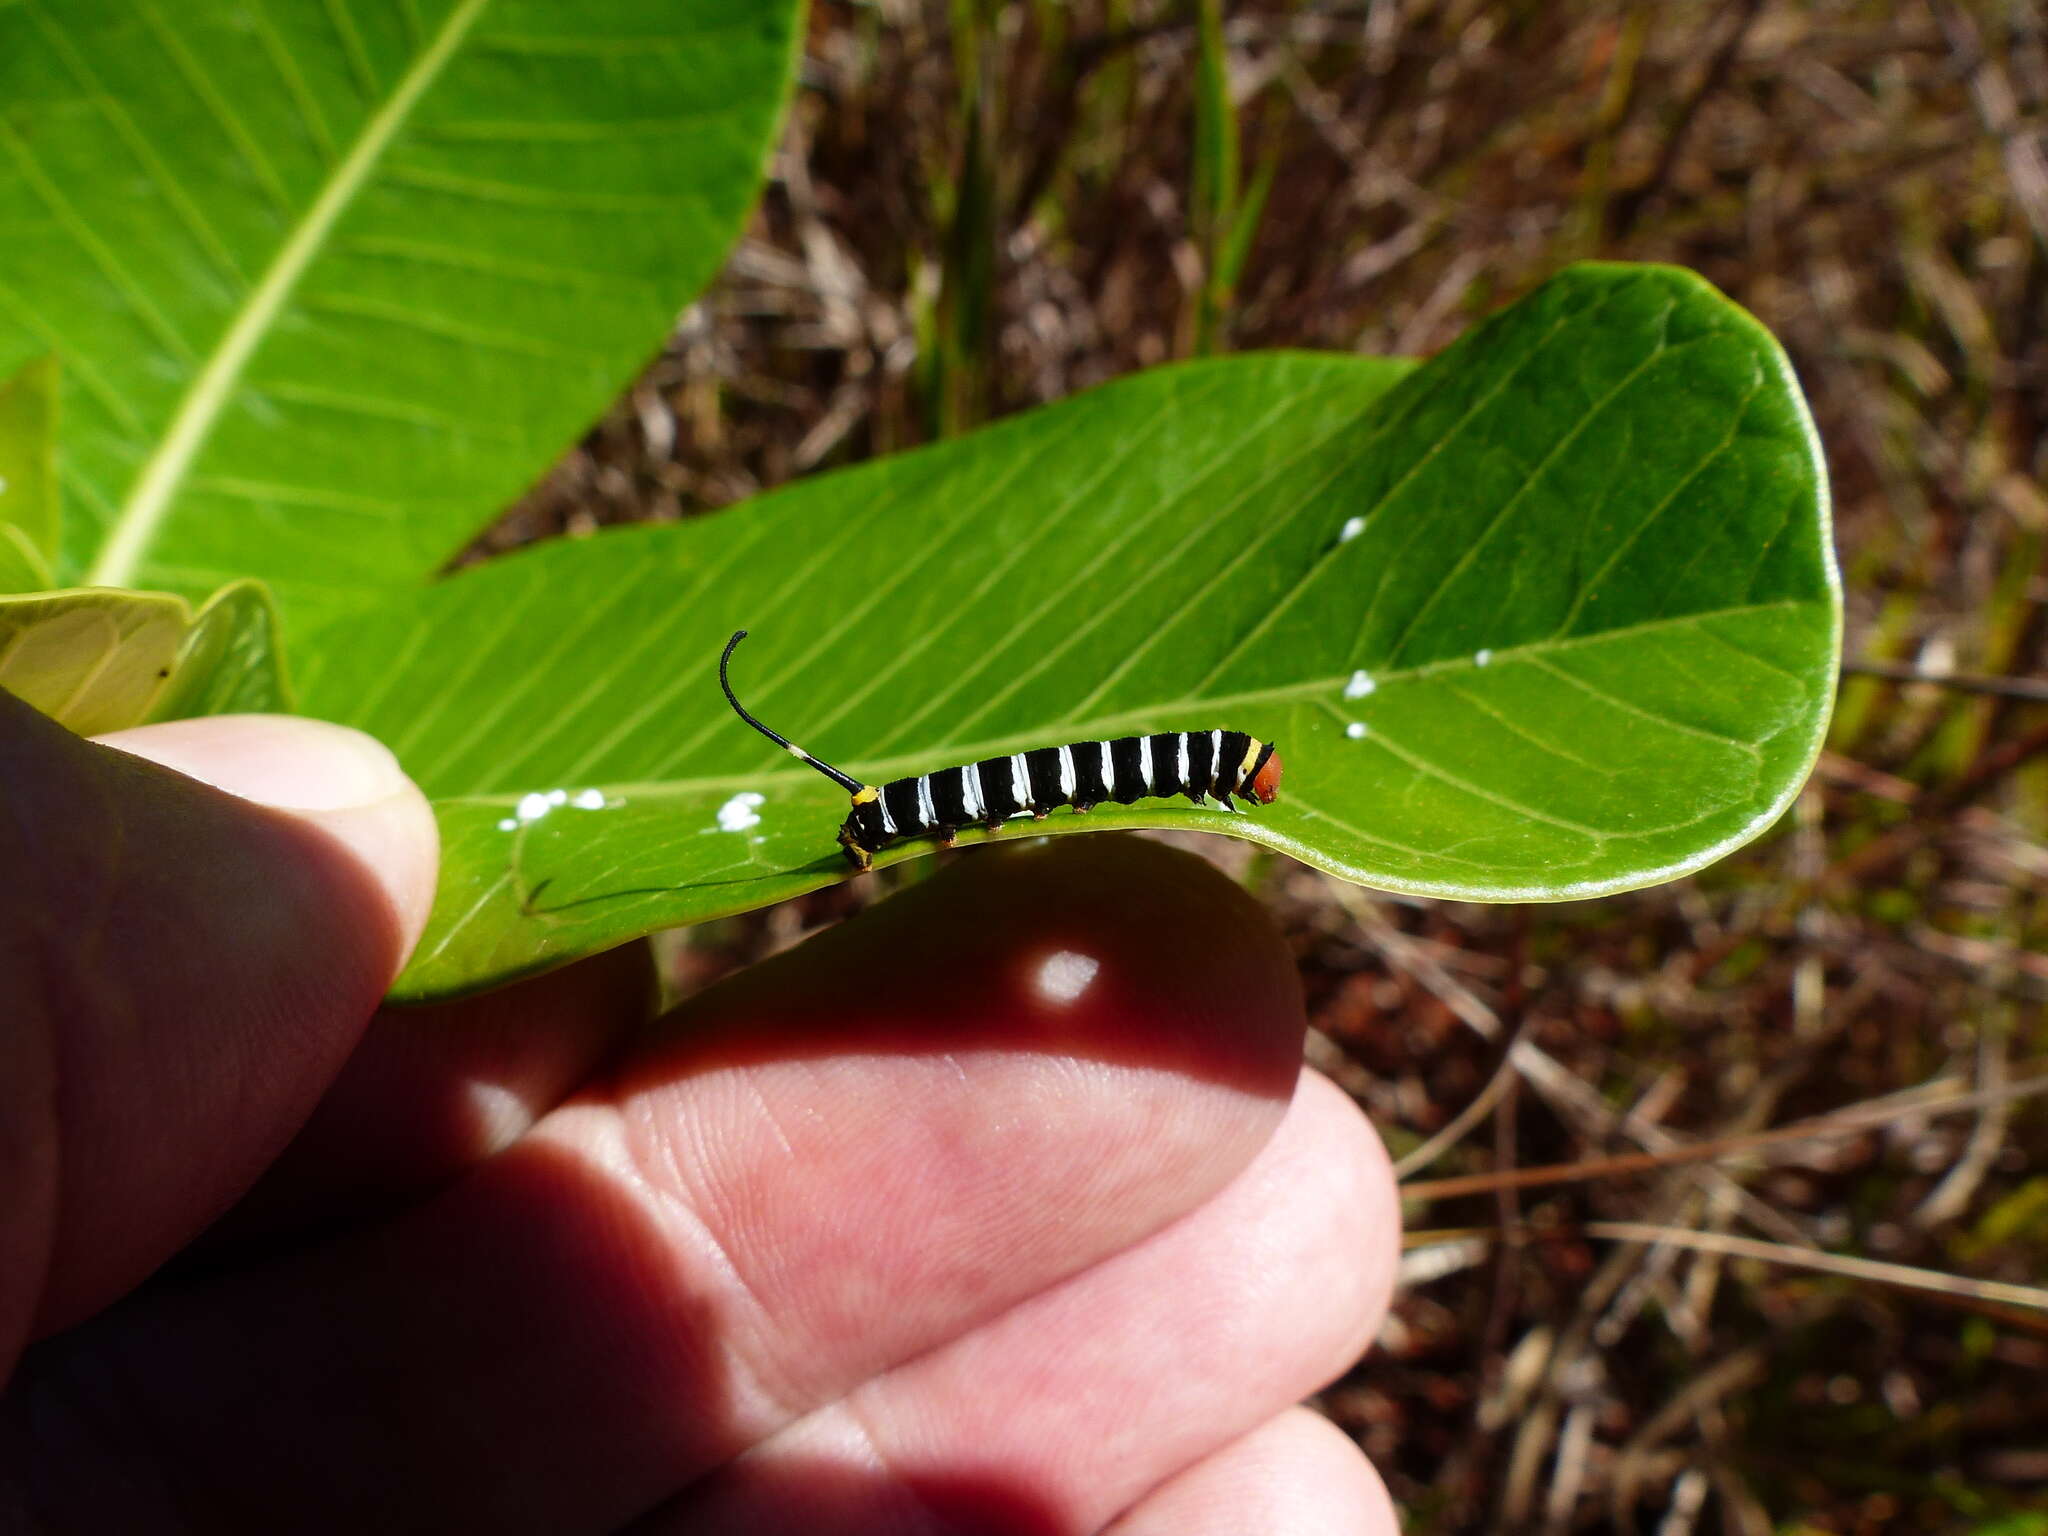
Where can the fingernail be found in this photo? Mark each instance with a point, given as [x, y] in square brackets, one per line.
[276, 760]
[347, 783]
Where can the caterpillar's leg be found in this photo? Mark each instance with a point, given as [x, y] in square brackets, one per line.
[1039, 813]
[856, 855]
[949, 837]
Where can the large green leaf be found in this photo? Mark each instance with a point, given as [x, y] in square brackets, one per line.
[332, 280]
[28, 462]
[22, 567]
[1553, 615]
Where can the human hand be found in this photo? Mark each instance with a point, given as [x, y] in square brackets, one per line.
[995, 1209]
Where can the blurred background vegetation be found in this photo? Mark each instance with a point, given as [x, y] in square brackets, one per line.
[980, 206]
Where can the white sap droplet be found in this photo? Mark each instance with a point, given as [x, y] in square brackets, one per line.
[531, 807]
[1065, 975]
[1359, 686]
[558, 797]
[589, 800]
[1355, 730]
[1353, 527]
[737, 814]
[1482, 658]
[509, 824]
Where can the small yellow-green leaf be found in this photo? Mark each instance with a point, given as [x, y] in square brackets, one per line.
[230, 662]
[93, 659]
[101, 659]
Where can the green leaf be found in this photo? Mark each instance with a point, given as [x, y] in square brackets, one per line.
[333, 281]
[94, 660]
[22, 568]
[28, 458]
[99, 659]
[1551, 616]
[230, 662]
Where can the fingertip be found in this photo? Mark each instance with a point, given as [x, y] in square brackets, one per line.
[340, 780]
[1364, 1201]
[1295, 1475]
[195, 967]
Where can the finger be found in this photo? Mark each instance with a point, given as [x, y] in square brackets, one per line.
[432, 1091]
[1077, 1402]
[847, 1156]
[1295, 1475]
[183, 971]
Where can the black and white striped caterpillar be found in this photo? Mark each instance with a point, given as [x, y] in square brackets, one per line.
[1030, 783]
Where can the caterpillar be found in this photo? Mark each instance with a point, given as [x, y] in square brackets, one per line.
[1082, 774]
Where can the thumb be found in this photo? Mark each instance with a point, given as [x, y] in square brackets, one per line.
[196, 922]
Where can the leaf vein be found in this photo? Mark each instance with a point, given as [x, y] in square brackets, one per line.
[87, 239]
[200, 83]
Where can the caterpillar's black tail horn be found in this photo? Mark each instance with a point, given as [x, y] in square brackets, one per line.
[846, 782]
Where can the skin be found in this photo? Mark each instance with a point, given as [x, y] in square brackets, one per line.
[927, 1225]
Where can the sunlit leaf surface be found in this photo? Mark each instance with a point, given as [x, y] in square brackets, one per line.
[333, 280]
[1552, 615]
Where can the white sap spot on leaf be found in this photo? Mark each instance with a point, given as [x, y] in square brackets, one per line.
[1353, 527]
[588, 800]
[1355, 730]
[531, 807]
[1064, 975]
[509, 824]
[558, 797]
[737, 814]
[1360, 685]
[1482, 658]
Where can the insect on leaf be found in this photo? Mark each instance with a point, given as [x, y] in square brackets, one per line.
[1551, 615]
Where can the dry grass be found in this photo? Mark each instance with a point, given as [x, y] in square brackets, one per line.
[1657, 1346]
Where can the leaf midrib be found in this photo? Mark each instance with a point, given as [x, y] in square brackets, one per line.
[1104, 725]
[149, 500]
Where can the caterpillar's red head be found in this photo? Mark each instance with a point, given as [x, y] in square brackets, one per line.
[1264, 786]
